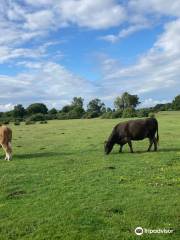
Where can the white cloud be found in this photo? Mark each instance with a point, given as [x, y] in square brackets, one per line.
[149, 102]
[42, 19]
[39, 2]
[157, 70]
[6, 107]
[30, 21]
[163, 7]
[124, 32]
[93, 14]
[47, 82]
[140, 11]
[7, 54]
[85, 13]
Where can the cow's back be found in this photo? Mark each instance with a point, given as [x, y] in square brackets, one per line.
[137, 129]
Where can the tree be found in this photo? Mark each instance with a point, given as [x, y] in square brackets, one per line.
[37, 117]
[8, 114]
[66, 109]
[96, 107]
[108, 109]
[119, 103]
[19, 111]
[37, 108]
[126, 101]
[176, 103]
[133, 101]
[75, 113]
[77, 102]
[162, 107]
[74, 110]
[52, 111]
[77, 105]
[129, 112]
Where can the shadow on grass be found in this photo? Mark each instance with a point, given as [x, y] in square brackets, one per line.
[61, 154]
[169, 149]
[42, 155]
[145, 151]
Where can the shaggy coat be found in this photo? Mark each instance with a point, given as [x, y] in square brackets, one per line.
[138, 129]
[5, 141]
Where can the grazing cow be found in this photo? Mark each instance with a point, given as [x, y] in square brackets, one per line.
[138, 129]
[5, 141]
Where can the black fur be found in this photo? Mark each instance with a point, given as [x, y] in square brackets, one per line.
[138, 129]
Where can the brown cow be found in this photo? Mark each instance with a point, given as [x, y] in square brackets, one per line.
[5, 141]
[138, 129]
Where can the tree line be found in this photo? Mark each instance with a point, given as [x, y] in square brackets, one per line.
[124, 106]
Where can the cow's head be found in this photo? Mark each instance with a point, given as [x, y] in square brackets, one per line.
[108, 146]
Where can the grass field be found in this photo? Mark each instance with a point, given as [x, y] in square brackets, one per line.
[60, 185]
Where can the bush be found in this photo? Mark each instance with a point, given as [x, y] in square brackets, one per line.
[5, 122]
[142, 112]
[19, 119]
[50, 116]
[37, 117]
[62, 116]
[94, 114]
[17, 123]
[76, 113]
[117, 114]
[53, 111]
[43, 122]
[29, 122]
[129, 113]
[151, 115]
[176, 103]
[106, 115]
[37, 108]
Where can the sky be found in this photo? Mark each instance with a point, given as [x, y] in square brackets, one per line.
[54, 50]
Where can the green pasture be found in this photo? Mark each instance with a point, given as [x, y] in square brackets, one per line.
[60, 185]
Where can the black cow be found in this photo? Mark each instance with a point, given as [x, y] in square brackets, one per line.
[138, 129]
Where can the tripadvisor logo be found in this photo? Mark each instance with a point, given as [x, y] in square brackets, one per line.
[139, 231]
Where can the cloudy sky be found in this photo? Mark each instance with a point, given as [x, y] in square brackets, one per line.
[53, 50]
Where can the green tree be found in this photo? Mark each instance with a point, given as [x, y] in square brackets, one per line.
[72, 111]
[96, 107]
[129, 112]
[77, 102]
[176, 103]
[19, 111]
[66, 109]
[77, 107]
[119, 103]
[126, 101]
[37, 108]
[108, 109]
[52, 111]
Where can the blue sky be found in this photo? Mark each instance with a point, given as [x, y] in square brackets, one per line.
[51, 51]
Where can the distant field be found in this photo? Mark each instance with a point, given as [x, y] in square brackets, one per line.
[60, 185]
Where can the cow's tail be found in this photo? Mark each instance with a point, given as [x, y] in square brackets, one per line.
[157, 136]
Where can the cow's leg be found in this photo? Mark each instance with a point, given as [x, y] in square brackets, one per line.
[8, 151]
[150, 144]
[130, 145]
[155, 144]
